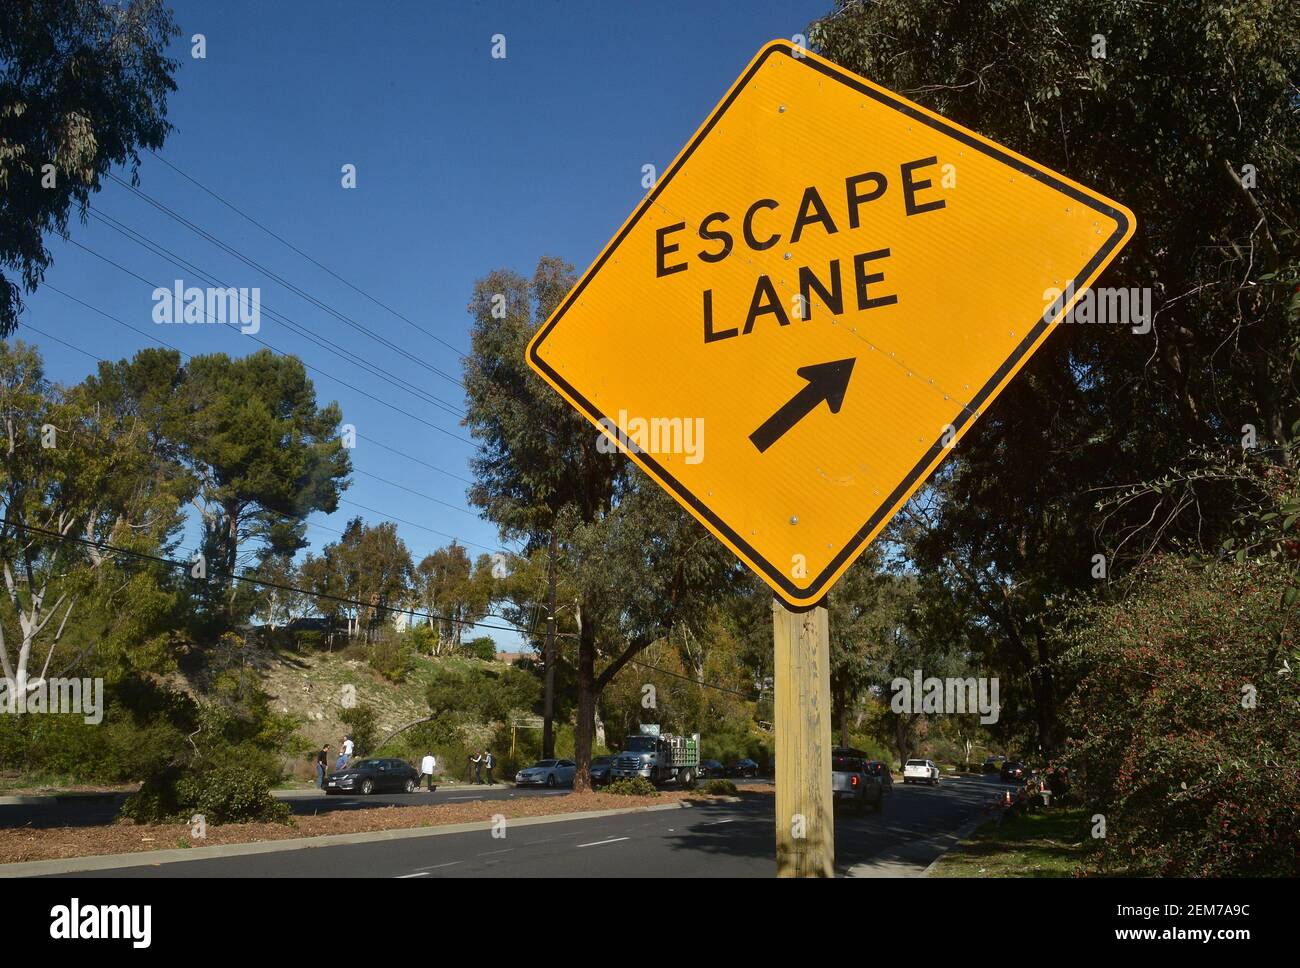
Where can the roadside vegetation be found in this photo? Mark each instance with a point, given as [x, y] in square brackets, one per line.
[1045, 844]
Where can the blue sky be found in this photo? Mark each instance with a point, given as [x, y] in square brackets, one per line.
[464, 163]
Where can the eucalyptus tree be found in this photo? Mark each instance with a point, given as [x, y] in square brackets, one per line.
[85, 482]
[455, 590]
[83, 87]
[1187, 113]
[538, 465]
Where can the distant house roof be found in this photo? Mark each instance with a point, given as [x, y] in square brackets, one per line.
[308, 624]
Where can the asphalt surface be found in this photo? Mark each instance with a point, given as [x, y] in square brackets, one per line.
[711, 840]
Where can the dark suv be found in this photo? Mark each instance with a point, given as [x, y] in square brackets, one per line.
[882, 773]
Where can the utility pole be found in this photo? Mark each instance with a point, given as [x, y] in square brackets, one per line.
[805, 818]
[548, 708]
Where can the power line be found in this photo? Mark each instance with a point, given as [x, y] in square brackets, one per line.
[258, 339]
[699, 682]
[505, 551]
[300, 252]
[253, 264]
[286, 517]
[161, 342]
[346, 355]
[422, 463]
[64, 342]
[172, 563]
[408, 490]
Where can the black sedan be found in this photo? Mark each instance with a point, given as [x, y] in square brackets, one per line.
[711, 769]
[373, 776]
[600, 769]
[743, 768]
[1014, 772]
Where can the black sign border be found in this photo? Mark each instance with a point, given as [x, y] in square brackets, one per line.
[817, 588]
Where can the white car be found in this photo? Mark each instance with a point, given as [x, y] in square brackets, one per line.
[921, 771]
[549, 773]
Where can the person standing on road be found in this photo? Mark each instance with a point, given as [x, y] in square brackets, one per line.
[322, 764]
[488, 763]
[426, 767]
[476, 764]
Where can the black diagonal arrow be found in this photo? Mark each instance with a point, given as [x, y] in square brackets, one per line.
[826, 381]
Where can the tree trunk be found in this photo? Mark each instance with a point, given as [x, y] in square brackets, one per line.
[842, 711]
[232, 555]
[582, 732]
[548, 656]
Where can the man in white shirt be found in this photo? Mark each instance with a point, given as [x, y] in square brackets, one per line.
[426, 767]
[347, 750]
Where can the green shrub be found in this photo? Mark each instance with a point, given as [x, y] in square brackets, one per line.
[309, 640]
[390, 656]
[482, 695]
[481, 648]
[637, 786]
[230, 793]
[1195, 775]
[422, 638]
[719, 788]
[138, 735]
[363, 727]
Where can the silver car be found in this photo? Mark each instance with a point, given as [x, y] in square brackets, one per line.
[551, 773]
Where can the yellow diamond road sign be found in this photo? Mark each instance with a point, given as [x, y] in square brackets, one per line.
[813, 304]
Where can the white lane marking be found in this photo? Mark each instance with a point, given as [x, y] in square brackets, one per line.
[434, 867]
[597, 843]
[501, 851]
[402, 877]
[713, 823]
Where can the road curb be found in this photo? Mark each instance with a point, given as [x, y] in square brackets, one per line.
[102, 862]
[43, 798]
[962, 834]
[38, 799]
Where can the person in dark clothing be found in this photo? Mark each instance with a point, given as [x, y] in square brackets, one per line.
[322, 764]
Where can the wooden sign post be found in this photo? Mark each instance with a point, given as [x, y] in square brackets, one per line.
[805, 817]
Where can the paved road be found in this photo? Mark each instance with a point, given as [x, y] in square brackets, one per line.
[714, 840]
[84, 810]
[93, 810]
